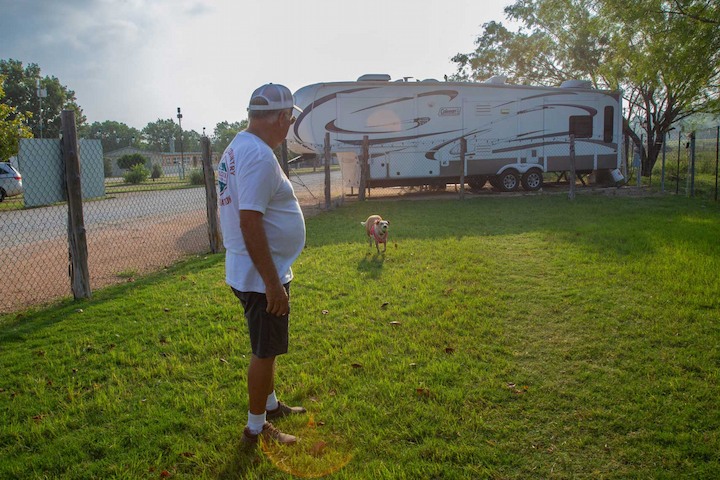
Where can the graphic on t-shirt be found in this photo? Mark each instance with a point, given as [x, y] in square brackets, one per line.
[222, 177]
[225, 168]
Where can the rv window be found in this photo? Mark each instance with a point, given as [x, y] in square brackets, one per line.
[581, 126]
[609, 124]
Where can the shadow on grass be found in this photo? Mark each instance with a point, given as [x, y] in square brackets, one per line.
[14, 326]
[372, 264]
[239, 462]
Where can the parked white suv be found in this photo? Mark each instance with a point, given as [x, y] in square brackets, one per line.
[10, 181]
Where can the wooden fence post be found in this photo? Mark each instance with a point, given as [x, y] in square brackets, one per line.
[364, 162]
[210, 197]
[571, 178]
[328, 156]
[284, 158]
[77, 239]
[463, 152]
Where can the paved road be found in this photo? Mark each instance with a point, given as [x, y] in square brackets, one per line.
[21, 227]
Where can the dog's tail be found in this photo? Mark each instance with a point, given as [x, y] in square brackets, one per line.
[363, 223]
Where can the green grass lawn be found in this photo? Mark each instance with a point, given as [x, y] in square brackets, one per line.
[521, 337]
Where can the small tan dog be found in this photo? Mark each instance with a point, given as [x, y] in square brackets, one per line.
[377, 229]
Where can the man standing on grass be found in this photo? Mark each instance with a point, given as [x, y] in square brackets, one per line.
[263, 232]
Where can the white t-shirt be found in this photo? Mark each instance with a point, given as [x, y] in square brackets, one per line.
[250, 178]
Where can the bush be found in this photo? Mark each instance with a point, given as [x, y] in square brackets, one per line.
[127, 162]
[196, 177]
[137, 174]
[156, 172]
[107, 167]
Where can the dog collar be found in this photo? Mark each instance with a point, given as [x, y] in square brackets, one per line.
[378, 236]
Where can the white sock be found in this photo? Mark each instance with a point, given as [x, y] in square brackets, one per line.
[272, 402]
[255, 422]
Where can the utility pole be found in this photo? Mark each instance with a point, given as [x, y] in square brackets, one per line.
[41, 93]
[182, 155]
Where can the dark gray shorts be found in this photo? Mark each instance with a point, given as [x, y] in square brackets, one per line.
[268, 333]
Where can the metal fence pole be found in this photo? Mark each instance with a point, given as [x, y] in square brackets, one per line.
[77, 240]
[677, 177]
[571, 179]
[328, 156]
[211, 202]
[639, 161]
[692, 164]
[463, 161]
[662, 174]
[364, 162]
[717, 148]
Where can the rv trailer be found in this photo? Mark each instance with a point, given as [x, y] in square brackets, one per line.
[513, 133]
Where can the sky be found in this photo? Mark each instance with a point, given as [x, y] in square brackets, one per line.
[136, 61]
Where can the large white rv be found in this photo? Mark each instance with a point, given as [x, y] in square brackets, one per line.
[513, 133]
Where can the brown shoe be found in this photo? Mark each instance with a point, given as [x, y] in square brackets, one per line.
[283, 410]
[269, 434]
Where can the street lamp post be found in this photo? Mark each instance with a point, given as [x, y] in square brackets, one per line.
[41, 93]
[182, 155]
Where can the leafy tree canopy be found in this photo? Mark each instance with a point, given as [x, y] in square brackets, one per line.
[21, 93]
[127, 162]
[664, 55]
[114, 135]
[161, 135]
[12, 128]
[225, 132]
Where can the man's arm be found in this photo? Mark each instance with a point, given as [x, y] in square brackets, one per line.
[253, 231]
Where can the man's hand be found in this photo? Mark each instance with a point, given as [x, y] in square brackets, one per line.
[251, 224]
[278, 302]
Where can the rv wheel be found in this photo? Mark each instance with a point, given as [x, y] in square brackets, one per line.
[532, 180]
[477, 182]
[508, 181]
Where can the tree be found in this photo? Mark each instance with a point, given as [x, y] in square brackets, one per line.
[136, 174]
[159, 135]
[700, 11]
[225, 132]
[156, 172]
[191, 141]
[21, 89]
[12, 128]
[113, 135]
[664, 55]
[127, 162]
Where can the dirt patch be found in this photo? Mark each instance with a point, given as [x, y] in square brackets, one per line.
[116, 254]
[40, 272]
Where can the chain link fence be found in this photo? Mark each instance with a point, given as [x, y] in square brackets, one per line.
[133, 226]
[688, 164]
[137, 220]
[144, 218]
[497, 164]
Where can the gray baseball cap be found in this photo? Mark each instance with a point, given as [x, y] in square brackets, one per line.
[272, 96]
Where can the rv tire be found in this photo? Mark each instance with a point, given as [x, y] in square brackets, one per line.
[508, 181]
[532, 180]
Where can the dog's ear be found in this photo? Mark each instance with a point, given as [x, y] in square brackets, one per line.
[388, 222]
[377, 221]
